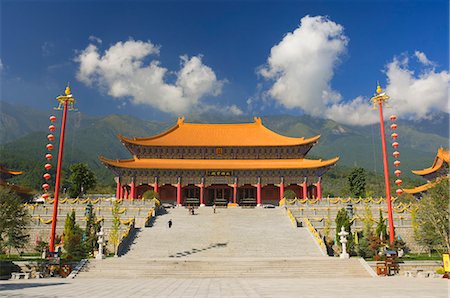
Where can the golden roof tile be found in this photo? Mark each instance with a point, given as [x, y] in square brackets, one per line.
[218, 135]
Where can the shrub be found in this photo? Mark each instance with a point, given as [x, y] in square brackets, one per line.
[150, 195]
[289, 195]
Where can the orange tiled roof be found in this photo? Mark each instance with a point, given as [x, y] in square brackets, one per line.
[441, 157]
[219, 164]
[244, 134]
[423, 187]
[8, 171]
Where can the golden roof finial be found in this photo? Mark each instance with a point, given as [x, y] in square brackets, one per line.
[379, 90]
[67, 89]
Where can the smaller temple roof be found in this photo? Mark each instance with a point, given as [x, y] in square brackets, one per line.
[441, 157]
[8, 171]
[424, 187]
[218, 135]
[219, 164]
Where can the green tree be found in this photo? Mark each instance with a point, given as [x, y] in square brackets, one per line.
[289, 195]
[357, 182]
[433, 218]
[381, 229]
[73, 237]
[90, 233]
[114, 236]
[150, 194]
[81, 179]
[343, 220]
[367, 233]
[14, 219]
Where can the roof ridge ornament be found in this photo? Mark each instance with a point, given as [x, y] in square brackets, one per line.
[257, 120]
[180, 121]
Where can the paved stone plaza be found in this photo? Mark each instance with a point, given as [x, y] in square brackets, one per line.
[229, 287]
[265, 256]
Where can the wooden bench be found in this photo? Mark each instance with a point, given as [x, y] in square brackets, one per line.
[388, 267]
[19, 275]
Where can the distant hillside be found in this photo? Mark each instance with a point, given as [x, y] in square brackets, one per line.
[23, 137]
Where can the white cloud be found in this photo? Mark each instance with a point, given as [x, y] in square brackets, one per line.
[234, 110]
[1, 66]
[123, 73]
[47, 48]
[417, 96]
[96, 39]
[302, 67]
[423, 58]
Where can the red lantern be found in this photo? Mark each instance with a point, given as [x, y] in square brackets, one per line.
[50, 137]
[394, 126]
[52, 118]
[45, 196]
[396, 154]
[393, 118]
[394, 136]
[51, 128]
[397, 172]
[45, 186]
[48, 156]
[395, 145]
[47, 176]
[48, 166]
[399, 191]
[396, 163]
[398, 182]
[49, 146]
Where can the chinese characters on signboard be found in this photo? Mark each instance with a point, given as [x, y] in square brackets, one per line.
[219, 173]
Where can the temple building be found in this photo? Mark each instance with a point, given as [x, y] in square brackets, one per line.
[221, 164]
[433, 174]
[5, 175]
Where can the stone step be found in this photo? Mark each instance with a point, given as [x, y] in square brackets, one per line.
[232, 242]
[329, 267]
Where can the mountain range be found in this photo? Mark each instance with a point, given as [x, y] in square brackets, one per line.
[23, 133]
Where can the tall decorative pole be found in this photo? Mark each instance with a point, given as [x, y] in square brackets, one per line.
[378, 99]
[66, 102]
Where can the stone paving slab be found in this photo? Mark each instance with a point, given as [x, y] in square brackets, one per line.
[229, 287]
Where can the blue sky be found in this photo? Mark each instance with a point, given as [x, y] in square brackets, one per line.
[227, 46]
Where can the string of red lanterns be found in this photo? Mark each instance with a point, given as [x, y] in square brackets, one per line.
[49, 156]
[396, 155]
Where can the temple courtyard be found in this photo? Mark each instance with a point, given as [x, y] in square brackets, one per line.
[235, 252]
[229, 287]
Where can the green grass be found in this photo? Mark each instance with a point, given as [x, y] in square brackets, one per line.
[23, 257]
[422, 257]
[418, 257]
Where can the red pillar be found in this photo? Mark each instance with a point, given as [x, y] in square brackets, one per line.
[156, 185]
[202, 190]
[235, 193]
[179, 192]
[133, 190]
[281, 189]
[386, 176]
[58, 176]
[319, 189]
[118, 189]
[258, 192]
[305, 189]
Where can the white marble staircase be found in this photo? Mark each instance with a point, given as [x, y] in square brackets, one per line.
[233, 242]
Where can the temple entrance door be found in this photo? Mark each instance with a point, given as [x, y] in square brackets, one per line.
[218, 195]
